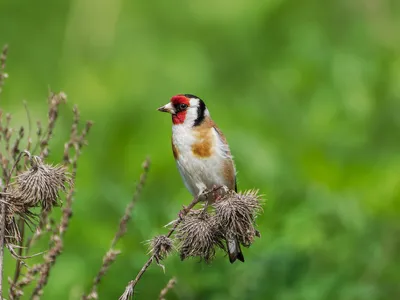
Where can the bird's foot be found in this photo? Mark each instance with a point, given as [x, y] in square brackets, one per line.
[218, 192]
[204, 210]
[182, 213]
[216, 187]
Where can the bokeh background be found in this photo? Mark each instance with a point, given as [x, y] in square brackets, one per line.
[307, 93]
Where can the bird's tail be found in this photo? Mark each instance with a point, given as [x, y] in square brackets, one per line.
[234, 250]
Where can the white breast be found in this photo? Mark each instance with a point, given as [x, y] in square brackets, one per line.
[199, 173]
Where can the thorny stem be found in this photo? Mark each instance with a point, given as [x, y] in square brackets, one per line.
[182, 214]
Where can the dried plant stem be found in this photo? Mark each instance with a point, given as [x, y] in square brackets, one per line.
[3, 220]
[43, 219]
[77, 141]
[14, 166]
[28, 116]
[2, 237]
[128, 211]
[111, 254]
[131, 285]
[35, 185]
[170, 285]
[18, 261]
[3, 58]
[55, 250]
[54, 102]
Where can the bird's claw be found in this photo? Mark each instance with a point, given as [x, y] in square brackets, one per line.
[204, 210]
[218, 192]
[182, 213]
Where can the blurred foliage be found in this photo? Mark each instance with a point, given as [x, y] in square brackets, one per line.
[307, 93]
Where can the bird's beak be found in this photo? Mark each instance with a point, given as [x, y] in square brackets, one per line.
[167, 108]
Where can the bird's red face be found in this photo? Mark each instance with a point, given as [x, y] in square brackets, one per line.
[186, 109]
[177, 107]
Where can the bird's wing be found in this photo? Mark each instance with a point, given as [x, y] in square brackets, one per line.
[227, 152]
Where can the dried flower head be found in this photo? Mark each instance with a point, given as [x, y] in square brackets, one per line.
[41, 184]
[160, 246]
[12, 235]
[198, 234]
[236, 213]
[15, 205]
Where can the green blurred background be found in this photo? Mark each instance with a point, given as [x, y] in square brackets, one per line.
[307, 93]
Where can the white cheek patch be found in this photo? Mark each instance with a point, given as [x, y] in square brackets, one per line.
[191, 116]
[194, 102]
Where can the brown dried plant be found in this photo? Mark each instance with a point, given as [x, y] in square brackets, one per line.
[160, 246]
[3, 58]
[170, 285]
[235, 215]
[200, 232]
[27, 182]
[41, 184]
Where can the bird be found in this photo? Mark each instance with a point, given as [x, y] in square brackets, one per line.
[201, 152]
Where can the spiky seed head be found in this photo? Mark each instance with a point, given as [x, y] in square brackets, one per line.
[198, 234]
[236, 213]
[16, 206]
[12, 234]
[12, 206]
[41, 184]
[160, 246]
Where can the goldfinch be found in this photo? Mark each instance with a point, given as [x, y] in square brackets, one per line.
[201, 152]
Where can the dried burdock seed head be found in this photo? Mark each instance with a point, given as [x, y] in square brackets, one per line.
[198, 234]
[236, 213]
[12, 235]
[41, 184]
[15, 205]
[160, 246]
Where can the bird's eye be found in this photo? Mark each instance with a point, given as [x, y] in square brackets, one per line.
[182, 106]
